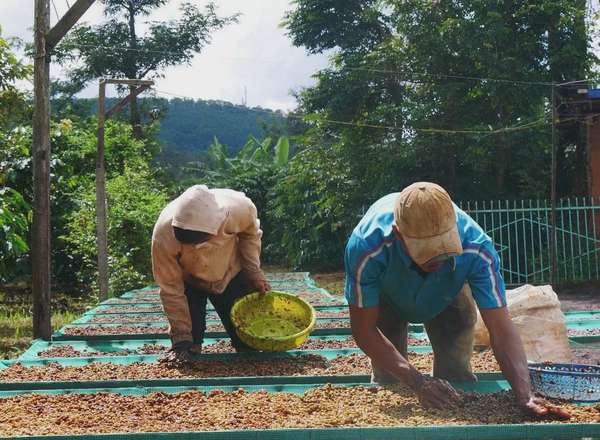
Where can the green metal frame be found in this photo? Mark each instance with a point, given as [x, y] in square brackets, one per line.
[483, 432]
[85, 319]
[487, 382]
[61, 336]
[99, 310]
[582, 324]
[585, 339]
[39, 345]
[153, 358]
[521, 232]
[468, 432]
[113, 345]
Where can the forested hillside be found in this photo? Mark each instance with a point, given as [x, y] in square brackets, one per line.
[192, 125]
[188, 126]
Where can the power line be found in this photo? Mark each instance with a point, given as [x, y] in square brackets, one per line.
[165, 52]
[413, 76]
[520, 127]
[55, 11]
[460, 77]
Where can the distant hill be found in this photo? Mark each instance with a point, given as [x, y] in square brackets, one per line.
[189, 126]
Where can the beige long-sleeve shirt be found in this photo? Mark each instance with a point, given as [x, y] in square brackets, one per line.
[210, 265]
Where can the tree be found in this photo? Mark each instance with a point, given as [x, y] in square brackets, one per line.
[311, 210]
[452, 92]
[254, 169]
[136, 200]
[406, 103]
[116, 48]
[15, 212]
[348, 25]
[12, 100]
[546, 42]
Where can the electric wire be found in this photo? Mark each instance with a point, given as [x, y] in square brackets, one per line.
[518, 127]
[414, 76]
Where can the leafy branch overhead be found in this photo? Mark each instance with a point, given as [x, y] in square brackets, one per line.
[408, 80]
[114, 48]
[117, 49]
[15, 211]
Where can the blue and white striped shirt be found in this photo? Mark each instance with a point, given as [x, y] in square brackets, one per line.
[377, 265]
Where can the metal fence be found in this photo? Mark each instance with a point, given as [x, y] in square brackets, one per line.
[521, 230]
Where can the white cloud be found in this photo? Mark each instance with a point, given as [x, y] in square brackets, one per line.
[255, 53]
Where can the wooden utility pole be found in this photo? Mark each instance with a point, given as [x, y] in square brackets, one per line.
[45, 39]
[40, 234]
[101, 217]
[137, 86]
[65, 24]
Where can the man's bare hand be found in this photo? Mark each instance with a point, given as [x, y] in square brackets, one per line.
[437, 393]
[260, 284]
[541, 409]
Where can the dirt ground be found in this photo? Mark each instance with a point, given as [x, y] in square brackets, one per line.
[332, 282]
[584, 296]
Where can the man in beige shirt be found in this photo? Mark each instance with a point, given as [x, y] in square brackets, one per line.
[205, 245]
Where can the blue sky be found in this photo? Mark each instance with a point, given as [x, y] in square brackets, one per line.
[254, 54]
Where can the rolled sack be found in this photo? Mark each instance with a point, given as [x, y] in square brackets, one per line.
[536, 313]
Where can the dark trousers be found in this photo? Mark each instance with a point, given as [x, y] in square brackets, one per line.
[451, 334]
[222, 303]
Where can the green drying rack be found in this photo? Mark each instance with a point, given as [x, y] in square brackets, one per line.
[113, 345]
[488, 382]
[480, 432]
[467, 432]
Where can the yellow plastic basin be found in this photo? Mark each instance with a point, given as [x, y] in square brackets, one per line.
[276, 321]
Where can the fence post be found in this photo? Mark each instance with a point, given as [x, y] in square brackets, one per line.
[553, 256]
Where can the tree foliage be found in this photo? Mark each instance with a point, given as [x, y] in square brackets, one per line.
[302, 204]
[452, 92]
[135, 200]
[254, 170]
[15, 212]
[186, 127]
[412, 105]
[191, 125]
[135, 197]
[351, 25]
[310, 210]
[14, 224]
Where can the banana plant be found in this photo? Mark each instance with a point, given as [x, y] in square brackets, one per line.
[282, 151]
[254, 151]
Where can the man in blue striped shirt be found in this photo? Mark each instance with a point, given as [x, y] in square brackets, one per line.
[416, 257]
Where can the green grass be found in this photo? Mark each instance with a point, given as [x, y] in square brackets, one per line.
[16, 330]
[16, 319]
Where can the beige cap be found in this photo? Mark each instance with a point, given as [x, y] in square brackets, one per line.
[425, 217]
[197, 210]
